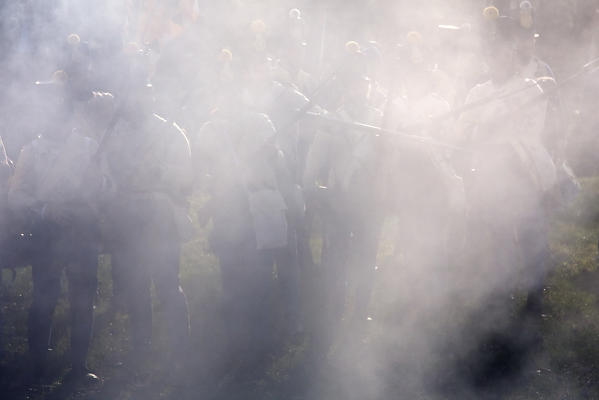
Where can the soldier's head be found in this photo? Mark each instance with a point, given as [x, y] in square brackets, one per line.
[93, 116]
[135, 93]
[287, 42]
[78, 67]
[352, 79]
[504, 48]
[56, 104]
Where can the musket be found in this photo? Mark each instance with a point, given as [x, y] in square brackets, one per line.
[378, 131]
[408, 132]
[108, 132]
[586, 69]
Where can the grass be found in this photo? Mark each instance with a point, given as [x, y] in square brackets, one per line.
[566, 368]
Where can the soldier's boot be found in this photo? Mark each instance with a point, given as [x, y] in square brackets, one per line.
[288, 272]
[46, 289]
[140, 323]
[177, 317]
[81, 300]
[173, 304]
[82, 376]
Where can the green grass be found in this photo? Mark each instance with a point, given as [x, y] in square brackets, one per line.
[568, 366]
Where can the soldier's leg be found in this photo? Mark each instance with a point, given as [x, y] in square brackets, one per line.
[235, 321]
[260, 303]
[135, 278]
[258, 306]
[335, 257]
[247, 309]
[83, 283]
[363, 264]
[164, 266]
[532, 236]
[288, 276]
[46, 290]
[331, 286]
[119, 284]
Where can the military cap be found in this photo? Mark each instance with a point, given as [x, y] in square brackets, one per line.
[258, 26]
[295, 13]
[490, 13]
[73, 39]
[526, 14]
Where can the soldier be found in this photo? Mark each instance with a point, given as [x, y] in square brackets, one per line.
[552, 135]
[346, 163]
[281, 102]
[5, 172]
[148, 163]
[425, 193]
[245, 175]
[53, 190]
[509, 174]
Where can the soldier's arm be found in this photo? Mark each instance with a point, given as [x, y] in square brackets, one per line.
[5, 168]
[177, 172]
[316, 161]
[206, 148]
[466, 122]
[21, 194]
[464, 129]
[554, 135]
[533, 113]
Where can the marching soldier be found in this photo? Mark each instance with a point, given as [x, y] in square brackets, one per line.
[53, 191]
[425, 193]
[250, 189]
[5, 172]
[345, 162]
[281, 102]
[509, 174]
[5, 250]
[148, 163]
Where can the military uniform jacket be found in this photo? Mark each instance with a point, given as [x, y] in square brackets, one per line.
[5, 171]
[148, 165]
[51, 171]
[245, 181]
[514, 123]
[511, 170]
[349, 157]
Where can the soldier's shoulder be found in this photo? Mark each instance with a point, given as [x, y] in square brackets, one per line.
[375, 112]
[175, 133]
[258, 121]
[38, 143]
[289, 94]
[32, 150]
[171, 127]
[85, 142]
[158, 120]
[543, 69]
[544, 76]
[479, 91]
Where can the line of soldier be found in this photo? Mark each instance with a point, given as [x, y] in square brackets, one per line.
[107, 170]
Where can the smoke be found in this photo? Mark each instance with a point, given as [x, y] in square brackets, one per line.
[449, 280]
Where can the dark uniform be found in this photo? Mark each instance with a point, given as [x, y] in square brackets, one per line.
[5, 172]
[509, 175]
[53, 189]
[282, 102]
[148, 163]
[346, 162]
[246, 178]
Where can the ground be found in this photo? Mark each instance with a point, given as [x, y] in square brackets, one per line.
[566, 366]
